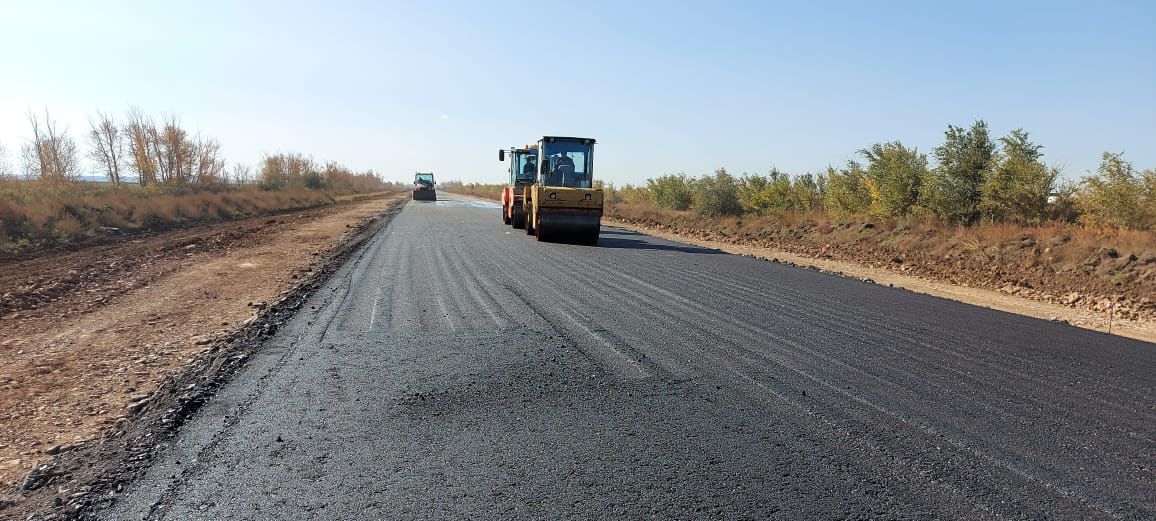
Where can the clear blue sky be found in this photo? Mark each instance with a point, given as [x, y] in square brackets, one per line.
[664, 86]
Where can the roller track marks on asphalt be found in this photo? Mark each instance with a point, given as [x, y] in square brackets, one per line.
[456, 368]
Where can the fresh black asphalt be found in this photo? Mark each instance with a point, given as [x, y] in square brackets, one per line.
[457, 369]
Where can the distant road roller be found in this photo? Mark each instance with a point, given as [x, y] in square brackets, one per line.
[523, 173]
[423, 187]
[563, 204]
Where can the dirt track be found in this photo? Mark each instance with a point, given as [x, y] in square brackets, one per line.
[86, 335]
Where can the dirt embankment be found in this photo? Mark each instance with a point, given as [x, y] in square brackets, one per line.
[89, 337]
[1109, 273]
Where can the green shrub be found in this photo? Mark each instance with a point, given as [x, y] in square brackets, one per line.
[717, 195]
[671, 191]
[1019, 184]
[847, 192]
[952, 190]
[769, 194]
[807, 192]
[1114, 196]
[1148, 202]
[1063, 204]
[627, 194]
[894, 177]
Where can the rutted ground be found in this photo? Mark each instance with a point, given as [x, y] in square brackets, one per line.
[97, 328]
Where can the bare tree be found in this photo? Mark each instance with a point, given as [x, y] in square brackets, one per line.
[287, 170]
[166, 154]
[177, 156]
[174, 153]
[5, 166]
[107, 145]
[139, 130]
[156, 149]
[51, 155]
[209, 166]
[159, 147]
[241, 174]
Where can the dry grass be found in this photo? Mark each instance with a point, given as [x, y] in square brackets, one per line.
[34, 215]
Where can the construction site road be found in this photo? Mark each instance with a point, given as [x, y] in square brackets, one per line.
[456, 368]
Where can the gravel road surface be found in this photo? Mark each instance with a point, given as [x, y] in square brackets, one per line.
[456, 368]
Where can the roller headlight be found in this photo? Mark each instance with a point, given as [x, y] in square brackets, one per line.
[553, 195]
[588, 197]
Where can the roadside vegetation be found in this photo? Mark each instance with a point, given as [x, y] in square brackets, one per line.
[145, 173]
[977, 211]
[970, 179]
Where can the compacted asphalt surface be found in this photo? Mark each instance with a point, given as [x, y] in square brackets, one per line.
[457, 368]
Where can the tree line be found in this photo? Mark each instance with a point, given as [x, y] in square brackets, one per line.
[159, 152]
[294, 170]
[975, 179]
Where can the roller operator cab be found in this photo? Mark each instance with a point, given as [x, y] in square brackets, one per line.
[423, 187]
[563, 205]
[523, 173]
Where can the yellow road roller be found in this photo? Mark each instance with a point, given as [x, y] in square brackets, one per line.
[523, 172]
[563, 205]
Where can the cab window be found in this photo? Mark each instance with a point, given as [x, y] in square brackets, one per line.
[567, 164]
[526, 166]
